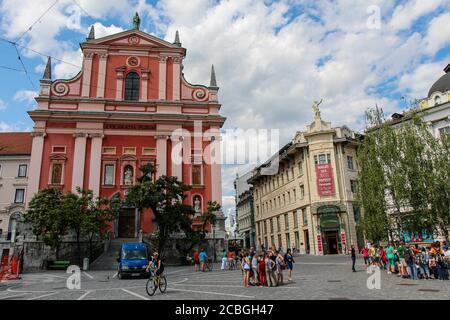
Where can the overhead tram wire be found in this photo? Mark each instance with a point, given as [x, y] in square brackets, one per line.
[15, 43]
[38, 20]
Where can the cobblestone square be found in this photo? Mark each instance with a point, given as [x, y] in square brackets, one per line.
[314, 278]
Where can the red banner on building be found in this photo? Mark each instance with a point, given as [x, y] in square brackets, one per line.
[319, 243]
[324, 178]
[343, 239]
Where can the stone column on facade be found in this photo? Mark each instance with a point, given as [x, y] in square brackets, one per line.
[37, 150]
[161, 155]
[176, 77]
[177, 157]
[162, 77]
[216, 174]
[95, 163]
[101, 75]
[144, 91]
[79, 156]
[87, 72]
[119, 82]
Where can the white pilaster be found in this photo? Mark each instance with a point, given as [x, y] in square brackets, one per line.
[87, 71]
[162, 77]
[95, 163]
[79, 155]
[37, 149]
[161, 155]
[101, 75]
[144, 93]
[216, 174]
[176, 77]
[177, 157]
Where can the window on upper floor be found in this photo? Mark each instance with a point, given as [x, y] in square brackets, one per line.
[350, 162]
[322, 159]
[196, 174]
[19, 196]
[353, 186]
[22, 171]
[132, 86]
[57, 169]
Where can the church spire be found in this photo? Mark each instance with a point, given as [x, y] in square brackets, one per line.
[91, 35]
[177, 39]
[48, 70]
[213, 82]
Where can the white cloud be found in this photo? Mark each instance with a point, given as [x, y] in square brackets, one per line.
[2, 105]
[6, 127]
[26, 96]
[438, 33]
[103, 31]
[417, 82]
[405, 15]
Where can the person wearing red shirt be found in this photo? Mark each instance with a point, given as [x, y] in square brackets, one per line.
[196, 260]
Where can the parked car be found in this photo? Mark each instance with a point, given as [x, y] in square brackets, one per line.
[133, 260]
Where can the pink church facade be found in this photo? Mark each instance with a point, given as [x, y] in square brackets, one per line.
[129, 105]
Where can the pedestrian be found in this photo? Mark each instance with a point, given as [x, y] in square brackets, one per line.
[255, 268]
[402, 267]
[365, 254]
[410, 261]
[424, 259]
[224, 260]
[246, 269]
[203, 257]
[391, 258]
[289, 260]
[383, 258]
[353, 256]
[262, 271]
[271, 267]
[280, 266]
[196, 260]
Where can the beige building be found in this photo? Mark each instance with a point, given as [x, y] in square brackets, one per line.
[15, 151]
[245, 211]
[308, 203]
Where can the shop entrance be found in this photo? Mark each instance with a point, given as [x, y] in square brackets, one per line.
[331, 238]
[127, 223]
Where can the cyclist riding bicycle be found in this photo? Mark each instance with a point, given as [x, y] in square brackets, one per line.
[156, 264]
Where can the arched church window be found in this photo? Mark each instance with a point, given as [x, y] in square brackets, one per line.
[57, 173]
[132, 86]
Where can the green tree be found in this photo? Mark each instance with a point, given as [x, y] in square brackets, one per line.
[165, 199]
[402, 178]
[49, 218]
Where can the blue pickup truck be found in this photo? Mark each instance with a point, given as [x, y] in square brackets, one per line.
[133, 260]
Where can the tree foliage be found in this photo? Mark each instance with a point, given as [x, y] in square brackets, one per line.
[53, 215]
[164, 198]
[403, 184]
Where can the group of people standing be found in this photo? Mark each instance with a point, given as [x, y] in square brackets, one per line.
[409, 261]
[264, 268]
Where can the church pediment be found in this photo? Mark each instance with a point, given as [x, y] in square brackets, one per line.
[134, 38]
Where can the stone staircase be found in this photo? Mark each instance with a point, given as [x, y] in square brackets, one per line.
[108, 259]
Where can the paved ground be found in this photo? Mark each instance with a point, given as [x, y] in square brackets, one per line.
[314, 278]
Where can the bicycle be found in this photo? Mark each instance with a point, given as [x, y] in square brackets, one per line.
[154, 282]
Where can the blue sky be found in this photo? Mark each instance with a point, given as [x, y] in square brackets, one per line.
[272, 58]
